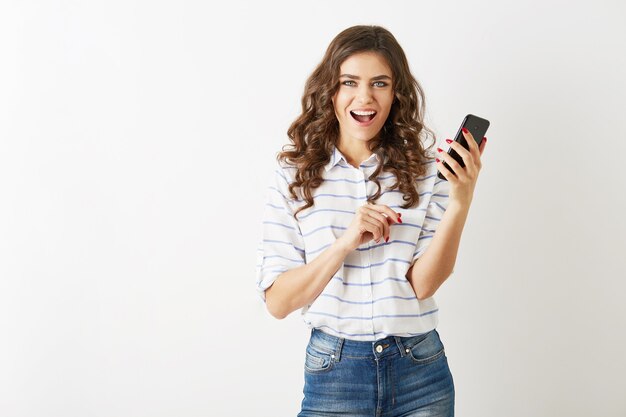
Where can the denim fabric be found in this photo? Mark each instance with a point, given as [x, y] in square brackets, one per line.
[394, 376]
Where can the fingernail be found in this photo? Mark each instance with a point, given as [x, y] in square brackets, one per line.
[387, 239]
[439, 150]
[437, 159]
[485, 138]
[399, 214]
[465, 130]
[399, 219]
[449, 140]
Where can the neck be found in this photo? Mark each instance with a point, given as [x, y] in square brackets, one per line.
[355, 151]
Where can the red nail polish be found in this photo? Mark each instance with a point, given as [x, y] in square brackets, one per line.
[439, 150]
[400, 214]
[449, 140]
[485, 138]
[387, 239]
[465, 130]
[399, 220]
[437, 159]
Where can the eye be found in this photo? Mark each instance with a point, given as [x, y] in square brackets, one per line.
[382, 83]
[344, 83]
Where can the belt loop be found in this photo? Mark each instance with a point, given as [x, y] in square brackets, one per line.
[401, 347]
[338, 348]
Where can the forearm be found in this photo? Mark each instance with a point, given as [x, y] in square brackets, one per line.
[299, 286]
[436, 264]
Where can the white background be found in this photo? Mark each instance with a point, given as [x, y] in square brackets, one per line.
[136, 142]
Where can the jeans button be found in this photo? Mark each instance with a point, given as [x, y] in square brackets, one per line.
[379, 348]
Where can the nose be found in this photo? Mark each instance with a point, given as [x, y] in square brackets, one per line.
[364, 94]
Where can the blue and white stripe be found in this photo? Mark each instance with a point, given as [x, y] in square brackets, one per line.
[369, 296]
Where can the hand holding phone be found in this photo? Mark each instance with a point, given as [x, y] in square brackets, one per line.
[477, 127]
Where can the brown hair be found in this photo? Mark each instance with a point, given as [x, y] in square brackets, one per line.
[314, 133]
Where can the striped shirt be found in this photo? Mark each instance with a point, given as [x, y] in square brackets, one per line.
[369, 297]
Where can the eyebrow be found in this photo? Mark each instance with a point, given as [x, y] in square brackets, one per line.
[356, 77]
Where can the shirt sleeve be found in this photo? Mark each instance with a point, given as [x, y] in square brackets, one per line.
[434, 212]
[281, 246]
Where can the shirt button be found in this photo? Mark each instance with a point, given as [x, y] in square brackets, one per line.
[379, 348]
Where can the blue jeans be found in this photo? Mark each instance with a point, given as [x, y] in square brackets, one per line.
[395, 376]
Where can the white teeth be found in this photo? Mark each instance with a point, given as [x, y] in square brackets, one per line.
[363, 113]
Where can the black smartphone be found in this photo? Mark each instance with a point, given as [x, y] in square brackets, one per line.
[477, 127]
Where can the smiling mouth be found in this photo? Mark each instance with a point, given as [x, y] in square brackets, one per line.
[362, 118]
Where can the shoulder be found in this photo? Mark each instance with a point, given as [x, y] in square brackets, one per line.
[429, 158]
[430, 169]
[429, 182]
[285, 170]
[282, 176]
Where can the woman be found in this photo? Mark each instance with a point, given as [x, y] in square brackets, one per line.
[363, 176]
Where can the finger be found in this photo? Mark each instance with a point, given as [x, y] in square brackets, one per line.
[475, 151]
[482, 145]
[460, 149]
[393, 215]
[382, 220]
[456, 167]
[445, 171]
[469, 138]
[373, 216]
[373, 226]
[469, 159]
[471, 142]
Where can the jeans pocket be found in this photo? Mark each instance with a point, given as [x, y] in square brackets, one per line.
[316, 361]
[426, 350]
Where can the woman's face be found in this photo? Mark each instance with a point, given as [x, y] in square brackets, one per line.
[363, 100]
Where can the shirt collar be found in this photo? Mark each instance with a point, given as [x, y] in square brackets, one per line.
[337, 156]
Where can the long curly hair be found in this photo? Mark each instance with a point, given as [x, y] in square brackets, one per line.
[316, 131]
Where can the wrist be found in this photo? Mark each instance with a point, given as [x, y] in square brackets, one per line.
[457, 205]
[340, 246]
